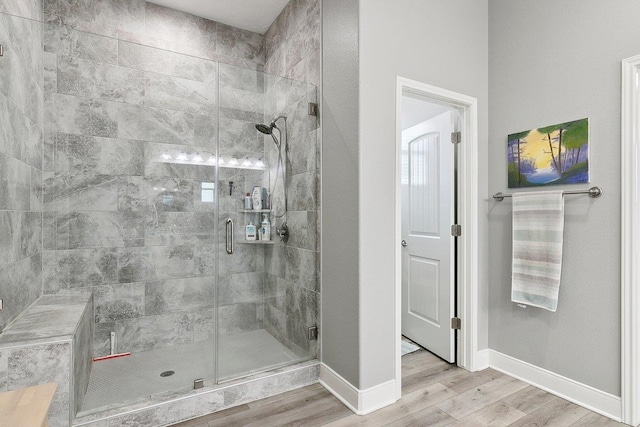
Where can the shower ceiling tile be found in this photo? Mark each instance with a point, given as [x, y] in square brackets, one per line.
[251, 15]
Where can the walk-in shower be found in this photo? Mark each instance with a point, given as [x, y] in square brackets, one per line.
[211, 315]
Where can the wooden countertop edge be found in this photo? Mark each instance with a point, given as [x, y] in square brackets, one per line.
[27, 406]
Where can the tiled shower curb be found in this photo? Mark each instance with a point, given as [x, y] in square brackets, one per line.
[206, 400]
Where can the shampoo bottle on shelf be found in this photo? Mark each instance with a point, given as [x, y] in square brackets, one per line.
[247, 202]
[251, 232]
[256, 198]
[265, 228]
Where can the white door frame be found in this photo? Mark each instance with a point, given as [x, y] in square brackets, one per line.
[630, 270]
[468, 203]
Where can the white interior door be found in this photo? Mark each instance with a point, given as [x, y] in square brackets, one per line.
[428, 197]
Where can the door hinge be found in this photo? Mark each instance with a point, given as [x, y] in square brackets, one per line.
[456, 230]
[456, 323]
[313, 109]
[312, 333]
[456, 137]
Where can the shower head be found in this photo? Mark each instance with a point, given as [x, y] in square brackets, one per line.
[266, 129]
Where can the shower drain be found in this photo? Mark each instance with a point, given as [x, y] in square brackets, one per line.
[167, 373]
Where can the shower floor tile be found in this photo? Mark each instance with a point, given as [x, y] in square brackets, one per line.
[132, 378]
[249, 352]
[129, 379]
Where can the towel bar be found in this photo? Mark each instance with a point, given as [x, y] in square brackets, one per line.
[593, 192]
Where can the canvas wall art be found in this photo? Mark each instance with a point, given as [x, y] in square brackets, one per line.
[550, 155]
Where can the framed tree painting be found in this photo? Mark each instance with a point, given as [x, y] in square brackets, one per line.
[549, 155]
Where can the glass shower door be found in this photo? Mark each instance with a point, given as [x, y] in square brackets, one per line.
[267, 288]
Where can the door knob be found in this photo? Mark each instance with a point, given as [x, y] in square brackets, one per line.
[404, 243]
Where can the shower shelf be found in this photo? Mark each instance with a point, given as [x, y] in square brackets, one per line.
[256, 242]
[255, 211]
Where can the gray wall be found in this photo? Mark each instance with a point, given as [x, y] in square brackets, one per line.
[340, 189]
[439, 43]
[361, 60]
[21, 94]
[551, 62]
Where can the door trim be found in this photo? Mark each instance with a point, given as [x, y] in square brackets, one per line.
[630, 236]
[468, 202]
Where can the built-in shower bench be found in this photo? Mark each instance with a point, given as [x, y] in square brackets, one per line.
[51, 342]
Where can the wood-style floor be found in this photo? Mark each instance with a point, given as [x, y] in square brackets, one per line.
[434, 393]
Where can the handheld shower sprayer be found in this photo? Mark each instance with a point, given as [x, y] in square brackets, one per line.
[268, 129]
[280, 168]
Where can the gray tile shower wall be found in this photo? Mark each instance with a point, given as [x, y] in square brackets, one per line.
[127, 81]
[292, 291]
[21, 130]
[292, 43]
[30, 9]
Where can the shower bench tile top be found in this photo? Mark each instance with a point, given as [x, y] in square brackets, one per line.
[52, 316]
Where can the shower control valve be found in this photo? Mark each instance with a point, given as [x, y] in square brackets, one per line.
[283, 232]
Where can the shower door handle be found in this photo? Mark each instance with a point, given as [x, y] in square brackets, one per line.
[229, 233]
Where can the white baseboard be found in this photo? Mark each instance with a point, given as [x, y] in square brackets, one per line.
[339, 387]
[481, 360]
[361, 402]
[566, 388]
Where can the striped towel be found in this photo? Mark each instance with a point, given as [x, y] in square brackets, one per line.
[538, 224]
